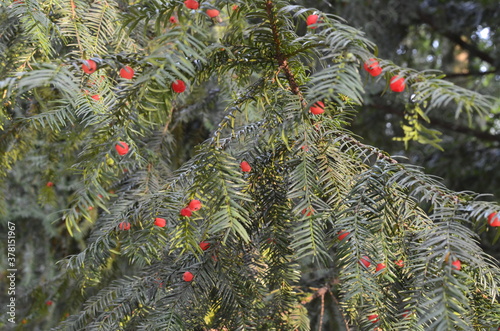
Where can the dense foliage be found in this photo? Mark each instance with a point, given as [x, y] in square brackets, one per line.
[175, 167]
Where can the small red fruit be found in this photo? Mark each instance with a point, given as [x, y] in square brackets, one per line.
[49, 302]
[186, 212]
[89, 66]
[373, 67]
[494, 219]
[122, 148]
[213, 13]
[312, 19]
[373, 318]
[124, 226]
[245, 167]
[406, 313]
[187, 276]
[96, 97]
[318, 108]
[178, 86]
[399, 263]
[309, 211]
[161, 222]
[457, 265]
[191, 4]
[127, 72]
[342, 235]
[204, 245]
[365, 260]
[194, 205]
[397, 84]
[380, 266]
[49, 184]
[235, 7]
[174, 20]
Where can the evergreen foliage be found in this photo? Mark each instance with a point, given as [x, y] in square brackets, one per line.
[252, 73]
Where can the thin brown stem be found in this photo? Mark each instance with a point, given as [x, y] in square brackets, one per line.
[280, 56]
[322, 291]
[341, 314]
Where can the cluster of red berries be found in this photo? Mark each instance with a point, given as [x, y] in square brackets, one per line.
[193, 4]
[188, 276]
[160, 222]
[365, 260]
[127, 72]
[397, 83]
[90, 66]
[194, 205]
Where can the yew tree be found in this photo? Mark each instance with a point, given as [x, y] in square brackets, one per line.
[188, 165]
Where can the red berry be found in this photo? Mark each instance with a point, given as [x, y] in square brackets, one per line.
[49, 302]
[127, 72]
[245, 167]
[312, 19]
[89, 66]
[191, 4]
[235, 7]
[49, 184]
[318, 108]
[373, 318]
[212, 13]
[194, 205]
[373, 67]
[124, 226]
[122, 148]
[342, 235]
[397, 84]
[90, 208]
[187, 276]
[399, 263]
[406, 313]
[494, 219]
[204, 245]
[365, 260]
[96, 97]
[178, 86]
[457, 265]
[161, 222]
[380, 266]
[309, 211]
[186, 212]
[174, 20]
